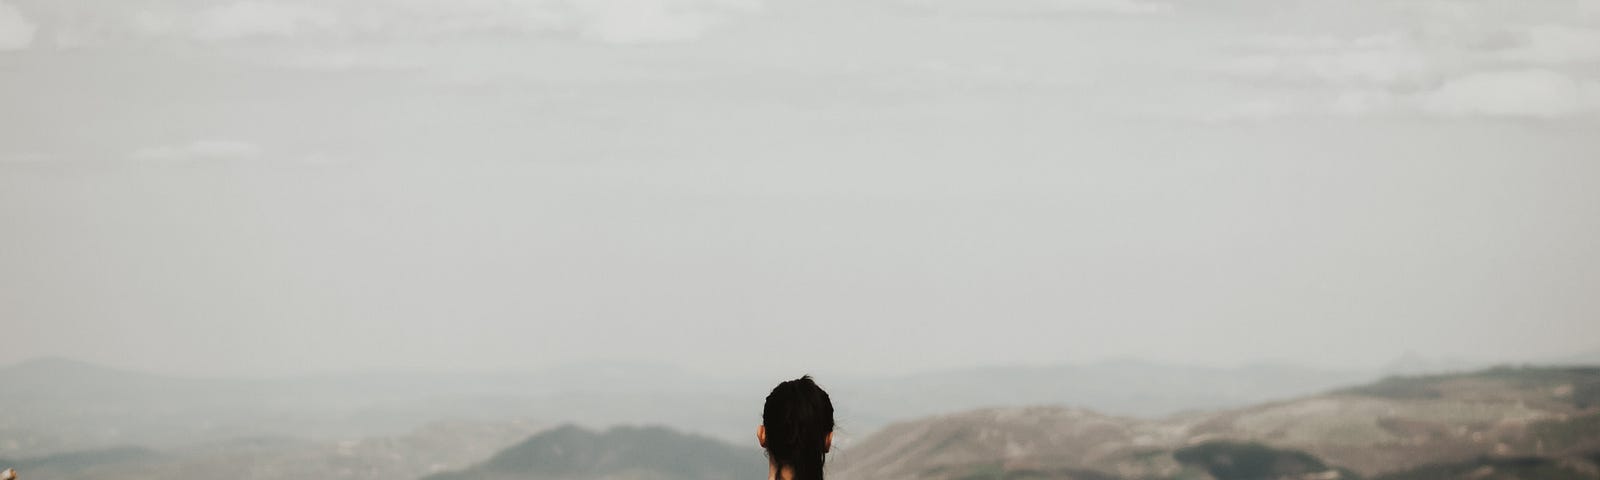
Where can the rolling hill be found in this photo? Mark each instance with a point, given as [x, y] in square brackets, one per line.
[1499, 421]
[621, 453]
[434, 448]
[57, 405]
[75, 421]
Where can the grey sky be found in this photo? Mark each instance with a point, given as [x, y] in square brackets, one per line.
[750, 186]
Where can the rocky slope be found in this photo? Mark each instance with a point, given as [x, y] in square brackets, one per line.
[621, 453]
[51, 406]
[434, 448]
[1498, 420]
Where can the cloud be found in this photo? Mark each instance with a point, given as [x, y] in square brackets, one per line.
[199, 150]
[1515, 93]
[394, 19]
[640, 21]
[1036, 7]
[1386, 66]
[1349, 103]
[1255, 110]
[16, 32]
[1128, 7]
[1456, 59]
[1381, 59]
[608, 21]
[252, 19]
[1525, 94]
[326, 59]
[1554, 45]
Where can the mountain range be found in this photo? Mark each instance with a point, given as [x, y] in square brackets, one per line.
[1496, 420]
[621, 453]
[51, 406]
[1498, 423]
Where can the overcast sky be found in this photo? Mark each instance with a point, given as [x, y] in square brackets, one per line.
[747, 186]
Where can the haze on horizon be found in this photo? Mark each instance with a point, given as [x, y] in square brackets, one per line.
[778, 186]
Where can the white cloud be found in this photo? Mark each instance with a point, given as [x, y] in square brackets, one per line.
[1255, 110]
[1364, 102]
[1323, 42]
[251, 19]
[1377, 66]
[199, 150]
[1383, 59]
[16, 32]
[1034, 7]
[1481, 59]
[1539, 94]
[231, 21]
[640, 21]
[1515, 93]
[1347, 103]
[347, 59]
[610, 21]
[1555, 45]
[1130, 7]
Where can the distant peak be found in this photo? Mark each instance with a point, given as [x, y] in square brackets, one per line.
[62, 367]
[56, 363]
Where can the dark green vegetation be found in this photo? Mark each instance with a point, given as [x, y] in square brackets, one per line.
[571, 452]
[1577, 432]
[1511, 468]
[999, 471]
[1250, 461]
[74, 461]
[1583, 383]
[1234, 460]
[1226, 460]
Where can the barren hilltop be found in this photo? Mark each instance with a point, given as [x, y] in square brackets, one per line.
[1497, 423]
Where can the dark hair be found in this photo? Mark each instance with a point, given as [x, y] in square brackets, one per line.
[798, 418]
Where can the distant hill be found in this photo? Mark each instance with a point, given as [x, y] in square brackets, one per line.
[68, 464]
[633, 453]
[977, 443]
[435, 448]
[1506, 468]
[1123, 387]
[59, 405]
[1406, 422]
[54, 405]
[1236, 460]
[1504, 420]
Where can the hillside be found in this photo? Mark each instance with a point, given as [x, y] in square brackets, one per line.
[621, 453]
[1002, 440]
[435, 448]
[1403, 423]
[62, 465]
[71, 420]
[1498, 420]
[1122, 387]
[54, 406]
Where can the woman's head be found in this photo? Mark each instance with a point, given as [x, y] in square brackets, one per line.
[797, 428]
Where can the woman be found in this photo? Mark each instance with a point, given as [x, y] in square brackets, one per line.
[796, 429]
